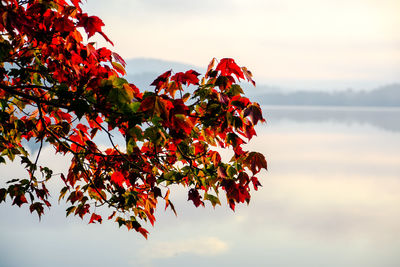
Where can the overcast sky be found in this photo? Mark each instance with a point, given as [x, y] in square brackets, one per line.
[295, 43]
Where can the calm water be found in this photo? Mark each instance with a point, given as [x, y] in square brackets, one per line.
[331, 197]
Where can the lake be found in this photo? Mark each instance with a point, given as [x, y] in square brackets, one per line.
[331, 197]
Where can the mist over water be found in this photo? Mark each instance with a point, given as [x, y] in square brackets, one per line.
[330, 198]
[386, 118]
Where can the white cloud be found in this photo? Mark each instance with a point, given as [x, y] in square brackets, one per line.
[203, 246]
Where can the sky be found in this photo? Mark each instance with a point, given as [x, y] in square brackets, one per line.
[312, 44]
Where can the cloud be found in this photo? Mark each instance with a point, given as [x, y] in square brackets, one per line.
[203, 246]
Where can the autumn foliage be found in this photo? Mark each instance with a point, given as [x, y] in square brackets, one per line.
[60, 90]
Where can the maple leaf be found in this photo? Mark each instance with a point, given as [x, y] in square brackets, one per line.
[210, 66]
[161, 80]
[63, 25]
[228, 66]
[254, 112]
[249, 131]
[255, 162]
[148, 103]
[213, 199]
[187, 78]
[143, 231]
[256, 182]
[118, 178]
[199, 148]
[92, 25]
[119, 59]
[249, 75]
[195, 197]
[221, 172]
[76, 3]
[38, 207]
[191, 77]
[19, 200]
[118, 67]
[182, 123]
[215, 157]
[95, 217]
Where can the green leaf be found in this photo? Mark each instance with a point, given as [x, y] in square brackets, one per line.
[231, 171]
[213, 199]
[24, 182]
[235, 90]
[118, 82]
[130, 145]
[134, 107]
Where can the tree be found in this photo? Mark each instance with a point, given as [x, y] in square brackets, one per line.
[56, 89]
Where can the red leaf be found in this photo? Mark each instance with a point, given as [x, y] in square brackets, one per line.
[38, 207]
[143, 231]
[232, 204]
[227, 66]
[187, 78]
[76, 3]
[195, 197]
[64, 116]
[19, 200]
[112, 215]
[63, 25]
[249, 131]
[82, 128]
[255, 162]
[199, 148]
[159, 83]
[255, 182]
[94, 218]
[119, 59]
[255, 113]
[118, 178]
[91, 24]
[105, 37]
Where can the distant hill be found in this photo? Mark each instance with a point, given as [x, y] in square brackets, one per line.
[387, 96]
[150, 65]
[143, 71]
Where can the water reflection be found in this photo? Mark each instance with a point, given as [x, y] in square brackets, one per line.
[384, 118]
[330, 198]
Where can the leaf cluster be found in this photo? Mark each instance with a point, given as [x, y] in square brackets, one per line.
[56, 89]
